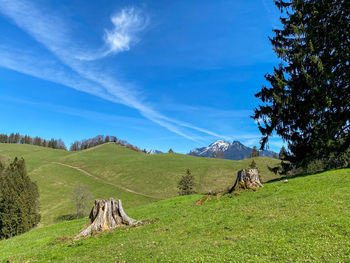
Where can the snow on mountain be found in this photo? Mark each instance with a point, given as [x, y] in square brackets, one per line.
[228, 150]
[154, 151]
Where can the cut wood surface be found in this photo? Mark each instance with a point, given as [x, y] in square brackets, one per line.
[247, 179]
[106, 215]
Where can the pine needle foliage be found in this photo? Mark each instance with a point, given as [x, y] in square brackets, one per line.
[253, 165]
[186, 184]
[308, 103]
[19, 200]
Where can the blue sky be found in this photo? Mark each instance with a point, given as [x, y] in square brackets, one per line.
[159, 74]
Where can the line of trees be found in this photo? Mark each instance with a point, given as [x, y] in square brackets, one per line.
[84, 144]
[17, 138]
[101, 139]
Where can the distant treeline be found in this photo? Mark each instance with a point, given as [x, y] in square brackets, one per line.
[25, 139]
[101, 139]
[17, 138]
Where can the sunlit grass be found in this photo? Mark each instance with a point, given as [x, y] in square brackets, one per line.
[114, 170]
[304, 220]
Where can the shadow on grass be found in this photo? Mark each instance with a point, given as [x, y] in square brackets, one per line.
[295, 176]
[68, 217]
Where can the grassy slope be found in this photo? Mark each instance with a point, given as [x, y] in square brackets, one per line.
[305, 220]
[114, 168]
[157, 175]
[56, 181]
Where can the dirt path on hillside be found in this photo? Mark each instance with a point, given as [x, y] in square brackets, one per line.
[101, 180]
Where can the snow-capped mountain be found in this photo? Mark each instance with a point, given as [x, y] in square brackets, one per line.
[228, 150]
[154, 151]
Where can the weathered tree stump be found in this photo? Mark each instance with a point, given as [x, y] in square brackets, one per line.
[247, 179]
[106, 215]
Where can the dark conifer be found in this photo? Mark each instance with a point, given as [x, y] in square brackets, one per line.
[186, 184]
[253, 165]
[19, 200]
[308, 103]
[254, 152]
[283, 153]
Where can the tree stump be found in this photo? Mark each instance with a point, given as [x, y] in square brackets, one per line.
[106, 215]
[247, 179]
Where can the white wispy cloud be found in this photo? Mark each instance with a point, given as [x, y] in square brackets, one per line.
[52, 33]
[50, 70]
[82, 113]
[126, 25]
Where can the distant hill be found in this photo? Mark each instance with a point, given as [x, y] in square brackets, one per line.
[230, 150]
[112, 170]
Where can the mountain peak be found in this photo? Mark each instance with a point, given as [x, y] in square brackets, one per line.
[220, 142]
[231, 150]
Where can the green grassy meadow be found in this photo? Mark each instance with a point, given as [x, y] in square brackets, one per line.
[304, 220]
[111, 170]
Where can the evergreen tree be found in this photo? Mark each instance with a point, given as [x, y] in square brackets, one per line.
[52, 144]
[283, 153]
[3, 138]
[37, 141]
[186, 184]
[253, 165]
[17, 138]
[308, 103]
[254, 152]
[19, 200]
[170, 151]
[11, 138]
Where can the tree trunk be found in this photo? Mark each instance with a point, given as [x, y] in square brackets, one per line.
[106, 215]
[247, 179]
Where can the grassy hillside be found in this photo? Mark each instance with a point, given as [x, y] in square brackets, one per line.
[56, 182]
[112, 170]
[304, 220]
[157, 175]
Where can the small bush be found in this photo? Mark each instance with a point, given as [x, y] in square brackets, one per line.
[82, 198]
[186, 184]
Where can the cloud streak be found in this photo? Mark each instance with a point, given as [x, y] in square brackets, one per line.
[89, 77]
[126, 25]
